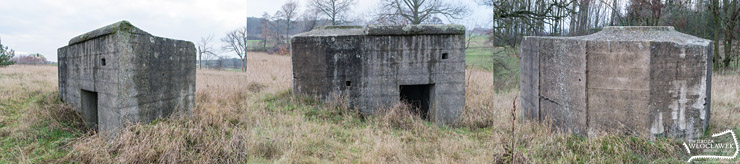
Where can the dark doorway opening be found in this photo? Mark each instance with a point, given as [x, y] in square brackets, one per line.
[89, 103]
[418, 97]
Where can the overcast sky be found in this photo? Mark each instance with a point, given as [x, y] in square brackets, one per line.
[42, 26]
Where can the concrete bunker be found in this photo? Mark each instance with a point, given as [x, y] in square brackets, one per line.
[120, 74]
[644, 81]
[374, 67]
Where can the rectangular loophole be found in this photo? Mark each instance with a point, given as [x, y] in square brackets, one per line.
[418, 97]
[444, 56]
[348, 83]
[89, 103]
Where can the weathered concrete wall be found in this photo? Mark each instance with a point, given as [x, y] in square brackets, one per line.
[137, 77]
[323, 63]
[650, 81]
[562, 82]
[368, 65]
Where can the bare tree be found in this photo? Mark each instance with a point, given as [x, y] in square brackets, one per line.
[335, 10]
[581, 22]
[726, 14]
[419, 11]
[513, 19]
[236, 41]
[204, 48]
[268, 29]
[288, 12]
[219, 62]
[310, 20]
[383, 16]
[470, 33]
[644, 12]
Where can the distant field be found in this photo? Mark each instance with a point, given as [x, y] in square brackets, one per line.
[504, 62]
[479, 58]
[258, 45]
[479, 53]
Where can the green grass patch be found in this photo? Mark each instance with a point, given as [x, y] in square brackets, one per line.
[479, 53]
[311, 108]
[259, 45]
[43, 140]
[479, 57]
[608, 149]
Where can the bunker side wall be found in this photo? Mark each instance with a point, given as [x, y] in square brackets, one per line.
[562, 79]
[157, 78]
[391, 61]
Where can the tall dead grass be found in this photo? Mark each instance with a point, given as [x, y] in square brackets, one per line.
[234, 122]
[19, 82]
[725, 110]
[253, 117]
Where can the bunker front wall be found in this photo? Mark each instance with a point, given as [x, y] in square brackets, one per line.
[392, 61]
[366, 71]
[81, 68]
[649, 88]
[144, 77]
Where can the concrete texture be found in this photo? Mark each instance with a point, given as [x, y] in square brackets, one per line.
[120, 74]
[375, 67]
[643, 81]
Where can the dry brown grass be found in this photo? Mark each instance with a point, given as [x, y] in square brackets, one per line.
[252, 117]
[725, 102]
[23, 81]
[34, 126]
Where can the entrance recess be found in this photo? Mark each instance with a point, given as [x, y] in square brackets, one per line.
[418, 97]
[89, 103]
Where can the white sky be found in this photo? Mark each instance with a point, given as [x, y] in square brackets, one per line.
[43, 26]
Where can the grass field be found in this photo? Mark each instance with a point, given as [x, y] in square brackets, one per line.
[254, 43]
[258, 45]
[252, 117]
[479, 53]
[503, 61]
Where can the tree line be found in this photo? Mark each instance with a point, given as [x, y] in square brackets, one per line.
[717, 20]
[274, 30]
[8, 57]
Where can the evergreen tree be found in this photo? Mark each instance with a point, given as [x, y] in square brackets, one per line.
[5, 55]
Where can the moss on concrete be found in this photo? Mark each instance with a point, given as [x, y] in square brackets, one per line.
[122, 26]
